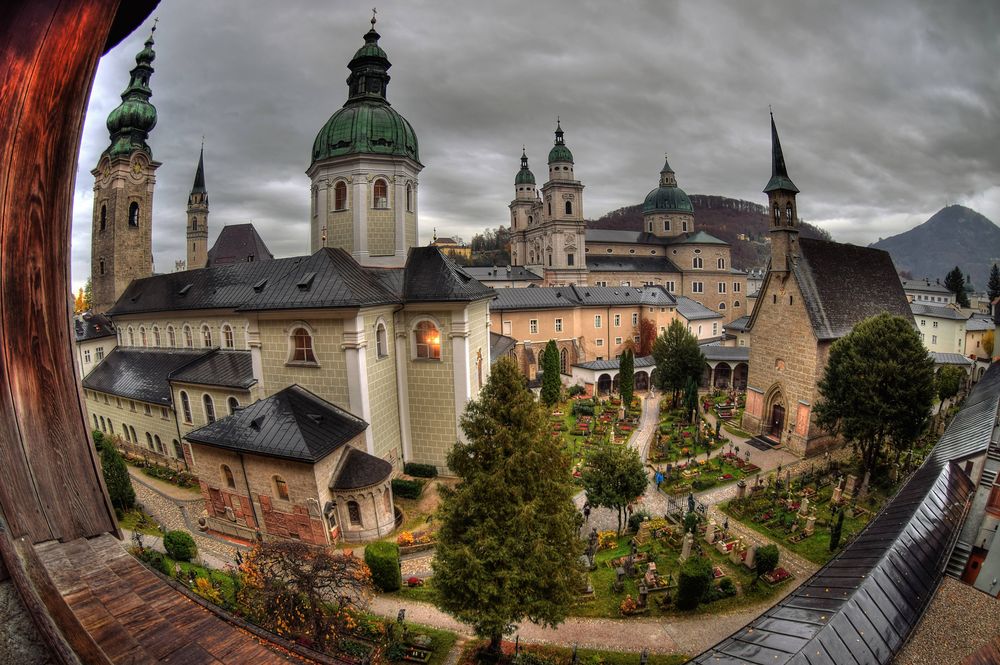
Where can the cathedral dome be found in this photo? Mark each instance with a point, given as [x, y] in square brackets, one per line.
[524, 175]
[667, 199]
[367, 124]
[559, 152]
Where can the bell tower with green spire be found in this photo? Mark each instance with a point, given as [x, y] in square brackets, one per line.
[197, 218]
[122, 236]
[783, 216]
[559, 245]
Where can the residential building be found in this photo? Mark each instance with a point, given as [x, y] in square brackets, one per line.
[942, 328]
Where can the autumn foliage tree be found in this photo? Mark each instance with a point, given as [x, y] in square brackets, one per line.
[647, 335]
[303, 592]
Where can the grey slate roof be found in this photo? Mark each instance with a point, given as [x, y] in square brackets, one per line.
[359, 469]
[726, 353]
[140, 374]
[696, 238]
[612, 363]
[949, 358]
[737, 325]
[692, 310]
[487, 274]
[925, 285]
[430, 276]
[979, 323]
[922, 309]
[228, 369]
[548, 297]
[628, 263]
[862, 606]
[92, 326]
[845, 284]
[645, 238]
[292, 424]
[500, 345]
[237, 243]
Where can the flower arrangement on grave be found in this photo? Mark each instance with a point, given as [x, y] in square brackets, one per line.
[628, 606]
[414, 582]
[607, 540]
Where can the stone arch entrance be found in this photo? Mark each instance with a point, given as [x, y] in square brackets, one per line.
[616, 383]
[641, 381]
[723, 373]
[775, 414]
[603, 384]
[740, 376]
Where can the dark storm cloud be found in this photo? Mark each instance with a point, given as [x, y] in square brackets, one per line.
[887, 111]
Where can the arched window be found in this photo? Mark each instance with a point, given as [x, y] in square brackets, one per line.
[302, 346]
[178, 450]
[387, 501]
[227, 476]
[428, 339]
[101, 266]
[96, 426]
[186, 407]
[697, 262]
[281, 488]
[188, 337]
[111, 426]
[569, 207]
[722, 264]
[159, 444]
[142, 335]
[340, 196]
[125, 431]
[206, 336]
[209, 408]
[380, 194]
[684, 225]
[233, 404]
[133, 214]
[156, 336]
[788, 214]
[564, 361]
[777, 214]
[354, 513]
[409, 197]
[736, 303]
[722, 306]
[104, 217]
[228, 341]
[531, 219]
[194, 223]
[171, 337]
[381, 340]
[104, 428]
[131, 336]
[149, 440]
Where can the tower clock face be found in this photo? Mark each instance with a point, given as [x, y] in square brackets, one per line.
[136, 168]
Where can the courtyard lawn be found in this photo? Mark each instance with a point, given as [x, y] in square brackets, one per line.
[136, 520]
[701, 476]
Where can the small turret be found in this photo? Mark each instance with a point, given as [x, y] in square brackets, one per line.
[783, 218]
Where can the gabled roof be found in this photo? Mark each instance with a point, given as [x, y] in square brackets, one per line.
[292, 424]
[431, 276]
[500, 345]
[238, 243]
[726, 353]
[737, 325]
[359, 469]
[696, 238]
[229, 369]
[945, 312]
[140, 374]
[623, 263]
[925, 285]
[488, 274]
[979, 323]
[329, 278]
[548, 297]
[692, 310]
[92, 326]
[842, 285]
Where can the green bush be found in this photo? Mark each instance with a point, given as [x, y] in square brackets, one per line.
[156, 561]
[638, 518]
[727, 587]
[116, 478]
[583, 407]
[420, 470]
[179, 478]
[408, 489]
[180, 545]
[575, 389]
[694, 582]
[383, 560]
[98, 439]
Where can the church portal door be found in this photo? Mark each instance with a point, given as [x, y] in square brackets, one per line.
[777, 421]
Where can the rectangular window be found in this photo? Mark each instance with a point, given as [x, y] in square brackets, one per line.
[933, 339]
[618, 320]
[935, 324]
[722, 287]
[131, 405]
[626, 283]
[635, 318]
[599, 342]
[697, 287]
[506, 328]
[715, 329]
[635, 338]
[118, 402]
[670, 287]
[164, 413]
[147, 410]
[666, 225]
[618, 340]
[923, 322]
[558, 325]
[99, 353]
[600, 283]
[533, 326]
[569, 259]
[597, 321]
[106, 400]
[86, 355]
[736, 287]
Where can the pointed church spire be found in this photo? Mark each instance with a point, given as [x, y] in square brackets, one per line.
[779, 174]
[667, 178]
[199, 174]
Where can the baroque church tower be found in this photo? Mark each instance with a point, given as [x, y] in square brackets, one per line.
[122, 239]
[784, 223]
[365, 163]
[524, 211]
[197, 218]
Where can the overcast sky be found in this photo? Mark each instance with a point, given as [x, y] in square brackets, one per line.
[887, 111]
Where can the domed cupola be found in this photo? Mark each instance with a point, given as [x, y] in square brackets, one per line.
[367, 124]
[559, 152]
[132, 120]
[524, 176]
[668, 197]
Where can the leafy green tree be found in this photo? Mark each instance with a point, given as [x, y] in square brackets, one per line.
[691, 400]
[765, 560]
[626, 377]
[877, 388]
[948, 381]
[551, 383]
[117, 479]
[989, 338]
[508, 548]
[614, 478]
[954, 281]
[678, 359]
[993, 286]
[693, 582]
[88, 294]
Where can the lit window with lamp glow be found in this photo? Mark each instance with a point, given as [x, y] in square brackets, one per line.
[428, 341]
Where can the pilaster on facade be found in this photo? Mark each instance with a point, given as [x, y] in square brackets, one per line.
[360, 218]
[402, 382]
[256, 359]
[355, 347]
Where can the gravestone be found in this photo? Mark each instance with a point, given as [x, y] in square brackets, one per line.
[750, 556]
[741, 489]
[804, 506]
[619, 582]
[852, 482]
[643, 594]
[863, 491]
[734, 553]
[837, 496]
[810, 525]
[686, 548]
[710, 532]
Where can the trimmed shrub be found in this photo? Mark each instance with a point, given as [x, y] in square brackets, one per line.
[638, 518]
[727, 587]
[420, 470]
[575, 389]
[408, 489]
[583, 407]
[694, 582]
[116, 478]
[180, 545]
[383, 560]
[98, 439]
[156, 561]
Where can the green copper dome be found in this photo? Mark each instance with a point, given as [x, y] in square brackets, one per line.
[524, 176]
[559, 152]
[131, 121]
[668, 197]
[367, 124]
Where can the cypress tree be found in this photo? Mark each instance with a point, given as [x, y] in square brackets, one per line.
[626, 377]
[954, 281]
[117, 479]
[993, 286]
[551, 383]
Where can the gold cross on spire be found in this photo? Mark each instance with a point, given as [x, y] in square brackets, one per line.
[374, 12]
[155, 20]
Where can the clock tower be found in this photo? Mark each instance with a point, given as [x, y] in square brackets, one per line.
[122, 238]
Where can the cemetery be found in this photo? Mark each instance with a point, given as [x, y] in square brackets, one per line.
[583, 423]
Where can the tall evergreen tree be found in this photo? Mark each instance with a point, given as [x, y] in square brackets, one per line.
[116, 478]
[508, 548]
[877, 388]
[614, 478]
[954, 281]
[551, 383]
[678, 359]
[626, 377]
[993, 286]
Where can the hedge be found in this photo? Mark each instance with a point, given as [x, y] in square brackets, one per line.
[180, 545]
[383, 560]
[420, 470]
[408, 489]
